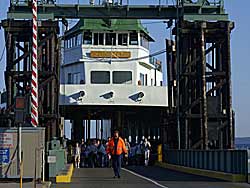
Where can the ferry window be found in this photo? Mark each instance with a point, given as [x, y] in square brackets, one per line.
[100, 77]
[98, 38]
[144, 42]
[76, 78]
[72, 42]
[146, 79]
[110, 38]
[69, 78]
[122, 77]
[133, 39]
[66, 44]
[87, 38]
[79, 40]
[75, 40]
[142, 79]
[123, 39]
[101, 38]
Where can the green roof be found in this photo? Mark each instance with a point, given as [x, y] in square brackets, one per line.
[108, 25]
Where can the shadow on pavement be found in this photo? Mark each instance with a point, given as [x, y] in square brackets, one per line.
[162, 174]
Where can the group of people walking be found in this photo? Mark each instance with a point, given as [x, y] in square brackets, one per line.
[115, 151]
[91, 154]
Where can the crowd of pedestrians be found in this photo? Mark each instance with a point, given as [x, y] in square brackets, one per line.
[94, 153]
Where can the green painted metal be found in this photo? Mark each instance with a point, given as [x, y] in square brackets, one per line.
[59, 165]
[109, 25]
[43, 16]
[54, 149]
[205, 17]
[122, 12]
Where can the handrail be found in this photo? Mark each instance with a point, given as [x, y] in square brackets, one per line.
[228, 161]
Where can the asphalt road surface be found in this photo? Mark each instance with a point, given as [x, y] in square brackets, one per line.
[142, 177]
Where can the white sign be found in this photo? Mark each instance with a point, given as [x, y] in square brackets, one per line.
[6, 140]
[51, 159]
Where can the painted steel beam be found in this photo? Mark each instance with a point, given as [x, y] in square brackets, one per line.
[52, 11]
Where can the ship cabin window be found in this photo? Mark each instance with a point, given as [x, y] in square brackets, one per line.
[122, 77]
[111, 39]
[79, 39]
[100, 77]
[123, 39]
[66, 44]
[87, 38]
[98, 38]
[71, 42]
[69, 78]
[142, 79]
[133, 39]
[75, 40]
[76, 78]
[144, 42]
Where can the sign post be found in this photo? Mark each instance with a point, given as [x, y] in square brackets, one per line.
[19, 114]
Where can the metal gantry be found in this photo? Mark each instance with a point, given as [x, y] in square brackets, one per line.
[18, 36]
[206, 116]
[191, 11]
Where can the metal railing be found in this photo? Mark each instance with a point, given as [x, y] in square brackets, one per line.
[29, 2]
[121, 2]
[228, 161]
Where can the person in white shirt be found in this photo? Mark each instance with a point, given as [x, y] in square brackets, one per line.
[77, 155]
[147, 147]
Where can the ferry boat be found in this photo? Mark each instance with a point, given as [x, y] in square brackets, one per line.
[108, 73]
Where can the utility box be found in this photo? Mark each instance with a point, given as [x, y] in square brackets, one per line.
[32, 143]
[56, 157]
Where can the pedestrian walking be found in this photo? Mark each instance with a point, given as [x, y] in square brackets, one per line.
[83, 157]
[139, 151]
[126, 155]
[147, 147]
[108, 157]
[116, 147]
[101, 152]
[77, 154]
[93, 154]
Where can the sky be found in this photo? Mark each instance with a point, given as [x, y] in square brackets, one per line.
[240, 50]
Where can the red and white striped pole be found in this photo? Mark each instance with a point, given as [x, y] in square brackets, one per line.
[34, 81]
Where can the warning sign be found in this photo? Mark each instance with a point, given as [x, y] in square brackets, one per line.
[6, 140]
[4, 156]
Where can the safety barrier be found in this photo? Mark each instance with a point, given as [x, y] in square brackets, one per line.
[228, 162]
[65, 176]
